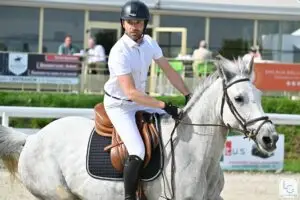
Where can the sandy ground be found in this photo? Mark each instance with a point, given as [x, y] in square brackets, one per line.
[238, 186]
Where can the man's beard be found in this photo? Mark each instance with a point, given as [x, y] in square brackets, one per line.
[135, 36]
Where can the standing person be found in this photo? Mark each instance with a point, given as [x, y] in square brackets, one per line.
[128, 63]
[200, 56]
[253, 52]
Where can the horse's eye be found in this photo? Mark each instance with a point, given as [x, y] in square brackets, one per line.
[239, 99]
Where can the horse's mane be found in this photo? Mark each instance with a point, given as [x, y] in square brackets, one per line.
[237, 66]
[202, 86]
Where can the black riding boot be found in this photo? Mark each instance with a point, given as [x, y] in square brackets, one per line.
[132, 170]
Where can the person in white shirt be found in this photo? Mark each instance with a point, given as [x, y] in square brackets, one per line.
[128, 64]
[200, 56]
[253, 52]
[95, 55]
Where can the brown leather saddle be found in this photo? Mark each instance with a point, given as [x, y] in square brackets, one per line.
[118, 151]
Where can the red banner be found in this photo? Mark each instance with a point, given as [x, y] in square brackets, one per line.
[277, 76]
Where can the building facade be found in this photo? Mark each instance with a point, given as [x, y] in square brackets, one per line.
[230, 27]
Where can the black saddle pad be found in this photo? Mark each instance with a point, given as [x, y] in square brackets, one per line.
[99, 164]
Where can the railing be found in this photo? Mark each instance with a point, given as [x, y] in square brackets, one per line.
[62, 73]
[49, 112]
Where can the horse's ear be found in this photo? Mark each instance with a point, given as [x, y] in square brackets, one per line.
[249, 67]
[224, 72]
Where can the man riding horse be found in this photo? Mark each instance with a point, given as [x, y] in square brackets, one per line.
[129, 62]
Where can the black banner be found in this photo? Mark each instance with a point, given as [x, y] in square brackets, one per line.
[36, 68]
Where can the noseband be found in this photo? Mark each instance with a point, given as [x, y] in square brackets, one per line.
[249, 133]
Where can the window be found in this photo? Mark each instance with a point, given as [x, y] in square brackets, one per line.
[19, 29]
[171, 42]
[231, 37]
[290, 41]
[279, 40]
[59, 23]
[268, 39]
[108, 16]
[104, 16]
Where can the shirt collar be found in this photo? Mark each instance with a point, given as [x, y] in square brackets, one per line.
[130, 42]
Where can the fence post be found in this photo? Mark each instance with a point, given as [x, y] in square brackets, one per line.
[5, 119]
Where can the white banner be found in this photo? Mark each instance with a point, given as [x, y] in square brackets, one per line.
[17, 63]
[39, 79]
[242, 154]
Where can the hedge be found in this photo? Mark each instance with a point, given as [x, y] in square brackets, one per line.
[270, 105]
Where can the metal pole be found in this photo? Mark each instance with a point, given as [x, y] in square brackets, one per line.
[5, 119]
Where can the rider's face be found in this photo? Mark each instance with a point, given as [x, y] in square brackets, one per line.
[134, 28]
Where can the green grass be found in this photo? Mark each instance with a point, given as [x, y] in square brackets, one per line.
[292, 165]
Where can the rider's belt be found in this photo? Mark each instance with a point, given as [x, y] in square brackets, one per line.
[116, 97]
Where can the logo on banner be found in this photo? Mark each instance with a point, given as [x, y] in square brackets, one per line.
[228, 148]
[18, 63]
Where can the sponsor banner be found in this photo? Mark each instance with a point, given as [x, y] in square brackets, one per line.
[37, 79]
[54, 65]
[242, 154]
[277, 76]
[3, 63]
[39, 68]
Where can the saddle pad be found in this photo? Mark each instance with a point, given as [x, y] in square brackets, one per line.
[99, 164]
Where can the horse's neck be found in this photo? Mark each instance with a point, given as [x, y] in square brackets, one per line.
[200, 143]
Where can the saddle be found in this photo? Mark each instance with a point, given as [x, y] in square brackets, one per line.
[118, 152]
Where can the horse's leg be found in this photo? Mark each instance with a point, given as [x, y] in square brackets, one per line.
[215, 187]
[40, 173]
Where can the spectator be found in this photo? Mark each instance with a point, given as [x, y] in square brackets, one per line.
[201, 55]
[253, 52]
[67, 48]
[95, 55]
[95, 52]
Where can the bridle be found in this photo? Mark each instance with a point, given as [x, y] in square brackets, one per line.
[249, 133]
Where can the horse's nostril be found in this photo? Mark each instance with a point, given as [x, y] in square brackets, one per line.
[275, 138]
[267, 140]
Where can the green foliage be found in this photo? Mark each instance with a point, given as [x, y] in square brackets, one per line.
[292, 165]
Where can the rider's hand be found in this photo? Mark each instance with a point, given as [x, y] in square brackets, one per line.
[187, 98]
[172, 110]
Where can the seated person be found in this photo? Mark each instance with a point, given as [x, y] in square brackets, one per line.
[96, 58]
[67, 48]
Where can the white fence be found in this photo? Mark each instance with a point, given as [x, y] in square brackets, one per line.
[49, 112]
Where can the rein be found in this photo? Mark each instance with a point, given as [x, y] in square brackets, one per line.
[251, 134]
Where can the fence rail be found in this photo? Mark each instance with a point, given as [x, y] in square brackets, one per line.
[50, 112]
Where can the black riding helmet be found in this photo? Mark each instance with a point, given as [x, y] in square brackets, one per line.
[135, 10]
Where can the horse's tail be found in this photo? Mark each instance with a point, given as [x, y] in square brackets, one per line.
[11, 145]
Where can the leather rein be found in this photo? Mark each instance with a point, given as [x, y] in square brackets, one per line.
[251, 134]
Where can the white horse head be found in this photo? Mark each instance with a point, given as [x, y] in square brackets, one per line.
[56, 155]
[242, 109]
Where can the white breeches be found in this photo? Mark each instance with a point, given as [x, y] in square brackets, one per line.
[122, 116]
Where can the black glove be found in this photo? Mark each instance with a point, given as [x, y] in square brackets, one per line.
[187, 98]
[172, 110]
